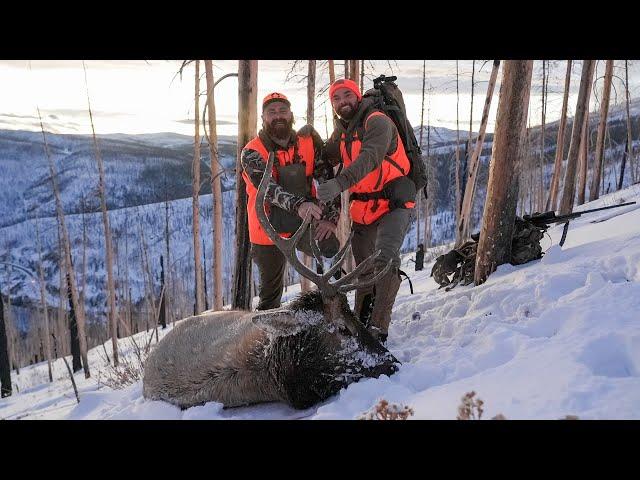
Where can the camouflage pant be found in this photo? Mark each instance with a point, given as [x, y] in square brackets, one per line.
[271, 264]
[387, 235]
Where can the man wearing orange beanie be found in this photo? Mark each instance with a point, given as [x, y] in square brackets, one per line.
[381, 197]
[290, 193]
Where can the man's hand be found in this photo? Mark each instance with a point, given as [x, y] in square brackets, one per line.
[328, 190]
[323, 229]
[306, 207]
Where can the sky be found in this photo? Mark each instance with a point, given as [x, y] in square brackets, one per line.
[149, 96]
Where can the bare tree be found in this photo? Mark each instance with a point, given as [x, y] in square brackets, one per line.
[557, 168]
[472, 169]
[43, 301]
[569, 184]
[494, 246]
[594, 191]
[5, 367]
[305, 283]
[247, 122]
[473, 84]
[216, 190]
[419, 195]
[195, 176]
[67, 247]
[545, 80]
[583, 155]
[458, 189]
[113, 323]
[628, 152]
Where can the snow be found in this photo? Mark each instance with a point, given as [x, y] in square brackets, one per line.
[555, 337]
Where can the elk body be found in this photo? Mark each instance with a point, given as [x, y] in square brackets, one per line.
[299, 355]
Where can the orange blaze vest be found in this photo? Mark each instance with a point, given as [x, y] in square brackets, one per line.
[306, 153]
[367, 212]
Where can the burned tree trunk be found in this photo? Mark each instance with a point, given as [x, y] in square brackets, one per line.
[494, 246]
[5, 367]
[419, 195]
[247, 122]
[45, 313]
[216, 190]
[305, 283]
[195, 175]
[457, 172]
[111, 288]
[73, 330]
[594, 192]
[69, 265]
[472, 172]
[557, 167]
[583, 156]
[163, 304]
[569, 184]
[629, 155]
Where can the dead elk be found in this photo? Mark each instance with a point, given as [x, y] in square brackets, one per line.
[299, 355]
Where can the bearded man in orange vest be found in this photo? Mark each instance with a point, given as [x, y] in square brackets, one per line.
[290, 194]
[382, 197]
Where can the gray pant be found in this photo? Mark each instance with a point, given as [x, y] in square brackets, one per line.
[387, 235]
[271, 264]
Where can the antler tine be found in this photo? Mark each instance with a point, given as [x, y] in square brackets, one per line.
[340, 257]
[314, 247]
[358, 270]
[286, 246]
[353, 286]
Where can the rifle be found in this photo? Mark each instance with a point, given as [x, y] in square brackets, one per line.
[544, 220]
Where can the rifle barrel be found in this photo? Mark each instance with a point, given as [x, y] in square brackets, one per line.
[571, 216]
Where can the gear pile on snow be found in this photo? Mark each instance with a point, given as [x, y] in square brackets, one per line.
[461, 261]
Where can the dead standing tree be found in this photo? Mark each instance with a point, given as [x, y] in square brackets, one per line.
[305, 283]
[5, 367]
[67, 254]
[557, 168]
[583, 155]
[594, 191]
[113, 321]
[494, 246]
[195, 175]
[472, 171]
[216, 189]
[45, 313]
[569, 188]
[247, 123]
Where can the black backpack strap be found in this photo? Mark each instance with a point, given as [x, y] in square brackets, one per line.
[400, 273]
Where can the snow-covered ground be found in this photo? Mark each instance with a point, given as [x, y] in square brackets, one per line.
[555, 337]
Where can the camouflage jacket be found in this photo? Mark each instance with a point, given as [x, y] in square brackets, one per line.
[254, 165]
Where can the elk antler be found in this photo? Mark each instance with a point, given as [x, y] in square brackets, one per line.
[288, 248]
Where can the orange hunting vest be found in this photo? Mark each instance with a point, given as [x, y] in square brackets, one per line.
[367, 212]
[306, 154]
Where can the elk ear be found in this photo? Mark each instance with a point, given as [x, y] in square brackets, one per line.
[280, 323]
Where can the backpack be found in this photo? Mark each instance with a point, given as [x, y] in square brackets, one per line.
[387, 98]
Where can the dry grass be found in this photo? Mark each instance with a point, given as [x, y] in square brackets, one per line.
[130, 367]
[470, 408]
[384, 410]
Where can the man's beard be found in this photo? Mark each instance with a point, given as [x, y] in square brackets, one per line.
[347, 111]
[280, 129]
